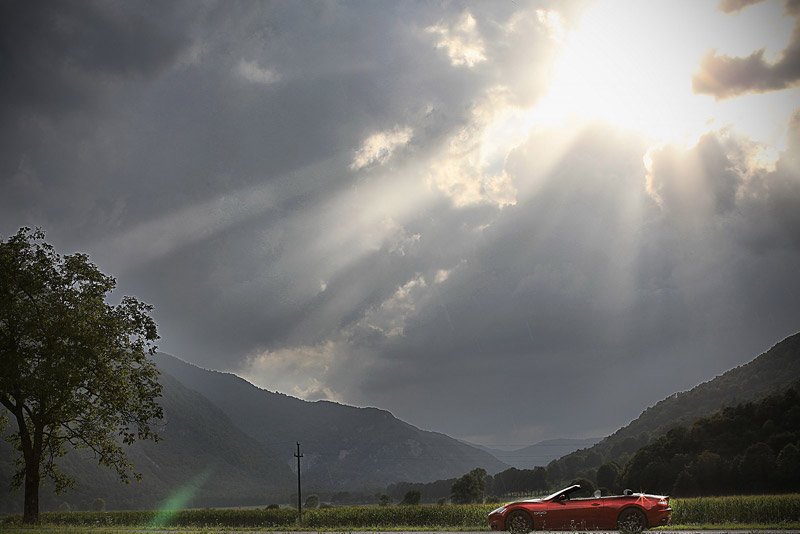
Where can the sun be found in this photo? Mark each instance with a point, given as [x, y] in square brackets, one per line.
[625, 64]
[630, 63]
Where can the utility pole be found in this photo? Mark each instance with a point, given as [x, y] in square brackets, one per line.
[299, 497]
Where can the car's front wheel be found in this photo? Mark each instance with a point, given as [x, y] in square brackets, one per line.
[631, 520]
[519, 522]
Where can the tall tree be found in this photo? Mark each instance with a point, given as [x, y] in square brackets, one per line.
[470, 487]
[75, 371]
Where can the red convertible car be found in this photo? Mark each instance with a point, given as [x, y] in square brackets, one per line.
[631, 512]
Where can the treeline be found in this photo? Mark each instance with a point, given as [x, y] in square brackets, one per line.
[752, 447]
[510, 481]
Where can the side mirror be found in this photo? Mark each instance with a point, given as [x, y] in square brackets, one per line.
[597, 494]
[627, 492]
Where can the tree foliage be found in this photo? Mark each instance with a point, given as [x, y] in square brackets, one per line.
[74, 370]
[518, 481]
[470, 488]
[411, 498]
[608, 477]
[510, 481]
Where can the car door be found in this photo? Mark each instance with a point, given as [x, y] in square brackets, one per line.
[573, 514]
[607, 513]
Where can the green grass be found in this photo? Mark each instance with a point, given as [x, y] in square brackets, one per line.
[737, 509]
[735, 512]
[425, 517]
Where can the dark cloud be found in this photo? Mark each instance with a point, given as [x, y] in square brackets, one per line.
[205, 156]
[770, 201]
[591, 290]
[58, 57]
[702, 181]
[732, 6]
[725, 76]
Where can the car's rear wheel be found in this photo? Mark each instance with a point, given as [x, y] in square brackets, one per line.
[519, 522]
[631, 520]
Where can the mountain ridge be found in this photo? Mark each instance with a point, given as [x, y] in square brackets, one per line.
[539, 454]
[344, 446]
[240, 440]
[771, 371]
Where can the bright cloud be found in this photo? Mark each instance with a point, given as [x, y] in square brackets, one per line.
[469, 171]
[378, 148]
[552, 22]
[390, 317]
[300, 370]
[461, 40]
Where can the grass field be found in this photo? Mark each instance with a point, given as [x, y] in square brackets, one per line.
[740, 512]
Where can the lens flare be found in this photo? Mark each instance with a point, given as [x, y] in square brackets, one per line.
[178, 500]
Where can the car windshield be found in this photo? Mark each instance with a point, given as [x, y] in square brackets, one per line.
[559, 492]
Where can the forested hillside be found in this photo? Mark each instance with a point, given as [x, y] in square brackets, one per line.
[752, 447]
[773, 371]
[749, 448]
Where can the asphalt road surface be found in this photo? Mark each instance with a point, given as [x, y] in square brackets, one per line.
[223, 531]
[236, 531]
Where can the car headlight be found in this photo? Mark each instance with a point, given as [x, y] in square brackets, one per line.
[498, 510]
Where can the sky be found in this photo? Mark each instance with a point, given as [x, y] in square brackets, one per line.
[507, 220]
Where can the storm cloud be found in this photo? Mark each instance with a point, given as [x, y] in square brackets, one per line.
[354, 201]
[723, 76]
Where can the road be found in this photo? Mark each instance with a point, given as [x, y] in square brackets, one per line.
[222, 530]
[745, 531]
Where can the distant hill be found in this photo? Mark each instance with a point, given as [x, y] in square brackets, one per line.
[540, 453]
[344, 447]
[200, 448]
[774, 371]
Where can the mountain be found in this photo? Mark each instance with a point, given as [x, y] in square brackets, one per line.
[771, 372]
[202, 456]
[344, 447]
[751, 447]
[540, 453]
[226, 442]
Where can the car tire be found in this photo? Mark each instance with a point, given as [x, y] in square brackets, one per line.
[631, 520]
[519, 522]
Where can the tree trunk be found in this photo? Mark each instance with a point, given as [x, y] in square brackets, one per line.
[32, 452]
[31, 510]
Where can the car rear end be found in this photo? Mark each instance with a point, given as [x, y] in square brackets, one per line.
[659, 512]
